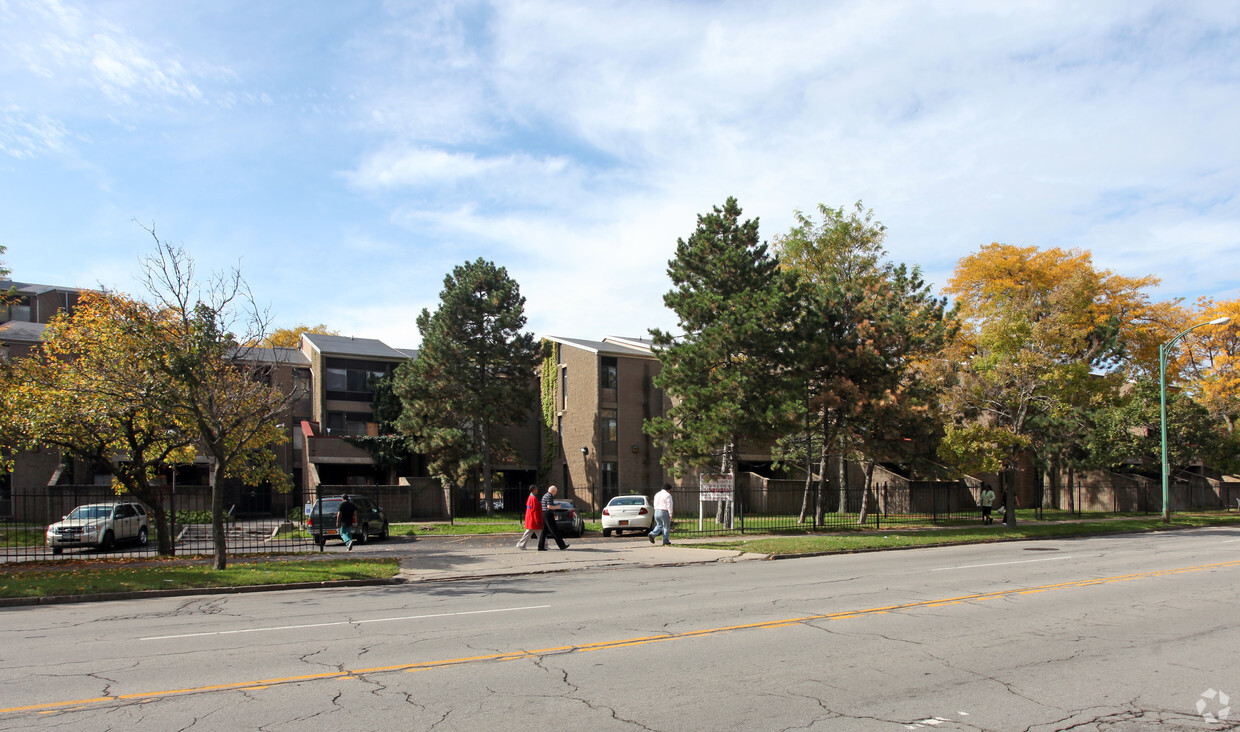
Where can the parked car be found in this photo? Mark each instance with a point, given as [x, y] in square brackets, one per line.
[99, 526]
[371, 520]
[628, 513]
[568, 521]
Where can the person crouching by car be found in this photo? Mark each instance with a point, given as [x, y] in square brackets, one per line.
[533, 517]
[548, 519]
[346, 517]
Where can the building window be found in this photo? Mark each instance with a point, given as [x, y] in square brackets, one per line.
[610, 475]
[564, 387]
[301, 383]
[347, 423]
[607, 378]
[351, 381]
[607, 423]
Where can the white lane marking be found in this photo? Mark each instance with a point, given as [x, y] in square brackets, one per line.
[1000, 564]
[344, 622]
[1228, 541]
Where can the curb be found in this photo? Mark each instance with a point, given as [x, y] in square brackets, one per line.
[188, 591]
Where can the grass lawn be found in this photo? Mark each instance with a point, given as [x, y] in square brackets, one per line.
[52, 579]
[870, 540]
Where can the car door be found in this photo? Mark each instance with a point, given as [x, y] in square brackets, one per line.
[124, 522]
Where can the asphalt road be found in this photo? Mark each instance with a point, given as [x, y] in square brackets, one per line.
[1134, 632]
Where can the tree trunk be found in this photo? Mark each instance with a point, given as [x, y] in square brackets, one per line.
[723, 509]
[809, 483]
[842, 471]
[1009, 501]
[218, 538]
[865, 493]
[820, 494]
[486, 473]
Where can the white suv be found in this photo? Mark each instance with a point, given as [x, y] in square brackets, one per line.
[99, 525]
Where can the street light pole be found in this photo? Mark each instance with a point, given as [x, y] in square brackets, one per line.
[1163, 351]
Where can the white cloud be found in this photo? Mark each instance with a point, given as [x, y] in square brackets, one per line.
[575, 142]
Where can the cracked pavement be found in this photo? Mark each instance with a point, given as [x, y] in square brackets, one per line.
[1116, 636]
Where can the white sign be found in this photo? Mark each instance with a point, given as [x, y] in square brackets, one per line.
[716, 487]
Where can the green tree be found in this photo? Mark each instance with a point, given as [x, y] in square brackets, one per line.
[1130, 431]
[9, 296]
[727, 372]
[866, 330]
[222, 390]
[474, 374]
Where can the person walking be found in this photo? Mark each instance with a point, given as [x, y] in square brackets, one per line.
[662, 515]
[987, 500]
[548, 521]
[533, 517]
[346, 517]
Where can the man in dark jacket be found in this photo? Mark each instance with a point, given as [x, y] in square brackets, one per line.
[548, 503]
[346, 517]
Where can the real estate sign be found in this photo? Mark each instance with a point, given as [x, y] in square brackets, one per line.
[716, 487]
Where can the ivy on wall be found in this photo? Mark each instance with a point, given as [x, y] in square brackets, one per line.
[551, 441]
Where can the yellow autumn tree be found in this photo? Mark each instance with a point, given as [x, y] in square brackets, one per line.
[290, 337]
[1038, 328]
[89, 391]
[1209, 358]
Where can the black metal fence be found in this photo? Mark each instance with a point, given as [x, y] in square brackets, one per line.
[79, 521]
[775, 506]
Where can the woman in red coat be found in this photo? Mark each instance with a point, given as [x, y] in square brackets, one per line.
[533, 517]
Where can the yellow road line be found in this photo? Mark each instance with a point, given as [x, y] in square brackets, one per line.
[608, 645]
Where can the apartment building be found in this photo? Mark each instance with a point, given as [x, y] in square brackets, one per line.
[604, 392]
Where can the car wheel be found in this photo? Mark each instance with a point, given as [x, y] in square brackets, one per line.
[320, 540]
[106, 542]
[607, 533]
[58, 550]
[142, 536]
[362, 535]
[387, 531]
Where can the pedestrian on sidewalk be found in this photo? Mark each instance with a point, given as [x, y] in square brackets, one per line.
[662, 515]
[346, 517]
[987, 500]
[548, 520]
[533, 517]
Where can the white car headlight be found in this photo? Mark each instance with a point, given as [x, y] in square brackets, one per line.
[90, 529]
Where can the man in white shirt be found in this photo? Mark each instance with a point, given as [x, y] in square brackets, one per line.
[662, 515]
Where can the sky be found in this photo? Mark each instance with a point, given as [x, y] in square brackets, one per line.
[348, 155]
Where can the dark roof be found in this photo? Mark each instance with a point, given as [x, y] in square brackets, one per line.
[21, 331]
[290, 356]
[603, 347]
[29, 288]
[350, 346]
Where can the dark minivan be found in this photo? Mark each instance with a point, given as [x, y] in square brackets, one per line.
[371, 521]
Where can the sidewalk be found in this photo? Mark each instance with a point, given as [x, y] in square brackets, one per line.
[454, 563]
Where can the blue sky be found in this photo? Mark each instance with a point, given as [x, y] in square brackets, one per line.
[349, 154]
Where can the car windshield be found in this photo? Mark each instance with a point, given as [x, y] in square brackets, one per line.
[565, 505]
[628, 501]
[90, 512]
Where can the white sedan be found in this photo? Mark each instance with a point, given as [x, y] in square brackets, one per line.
[628, 513]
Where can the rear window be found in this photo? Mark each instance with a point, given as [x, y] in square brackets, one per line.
[628, 501]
